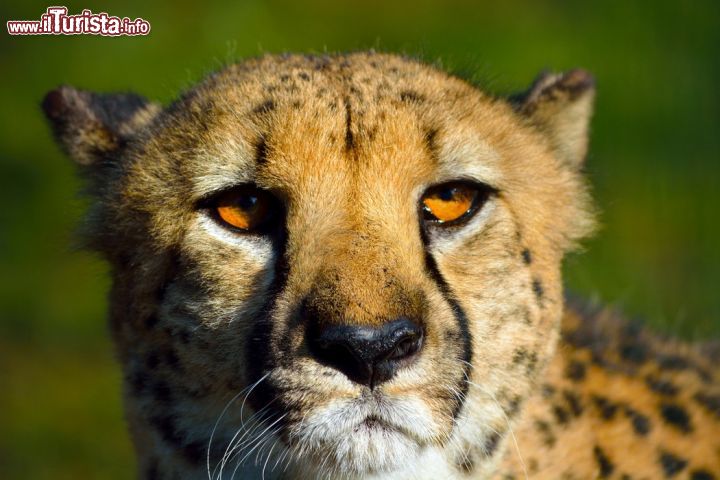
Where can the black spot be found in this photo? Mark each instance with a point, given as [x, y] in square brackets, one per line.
[171, 359]
[296, 105]
[561, 415]
[672, 362]
[703, 374]
[411, 96]
[184, 336]
[161, 391]
[513, 406]
[193, 452]
[538, 289]
[548, 390]
[151, 470]
[527, 319]
[356, 92]
[548, 436]
[284, 78]
[138, 381]
[531, 363]
[519, 356]
[465, 465]
[606, 466]
[701, 475]
[573, 400]
[710, 402]
[151, 321]
[575, 371]
[165, 425]
[676, 416]
[663, 387]
[633, 352]
[152, 360]
[304, 76]
[527, 256]
[491, 443]
[671, 464]
[640, 422]
[606, 407]
[265, 107]
[321, 63]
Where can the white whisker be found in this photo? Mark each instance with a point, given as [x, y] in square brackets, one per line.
[222, 414]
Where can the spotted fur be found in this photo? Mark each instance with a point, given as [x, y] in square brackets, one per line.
[211, 326]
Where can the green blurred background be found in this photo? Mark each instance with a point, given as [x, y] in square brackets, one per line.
[654, 165]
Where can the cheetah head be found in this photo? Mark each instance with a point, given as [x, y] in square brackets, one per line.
[338, 266]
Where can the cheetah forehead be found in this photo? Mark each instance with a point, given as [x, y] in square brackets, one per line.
[352, 104]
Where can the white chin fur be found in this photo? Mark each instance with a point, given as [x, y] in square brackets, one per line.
[338, 442]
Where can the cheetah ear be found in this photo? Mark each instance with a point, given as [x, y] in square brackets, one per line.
[560, 106]
[89, 126]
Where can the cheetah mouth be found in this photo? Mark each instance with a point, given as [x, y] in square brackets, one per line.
[359, 446]
[370, 433]
[373, 425]
[373, 422]
[333, 425]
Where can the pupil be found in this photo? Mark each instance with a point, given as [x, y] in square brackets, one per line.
[247, 202]
[447, 194]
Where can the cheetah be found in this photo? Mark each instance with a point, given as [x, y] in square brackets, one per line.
[349, 267]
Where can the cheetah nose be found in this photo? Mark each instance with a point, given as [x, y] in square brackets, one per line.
[367, 355]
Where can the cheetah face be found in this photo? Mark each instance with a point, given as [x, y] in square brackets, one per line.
[352, 261]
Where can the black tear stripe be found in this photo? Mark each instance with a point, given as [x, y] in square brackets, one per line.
[257, 349]
[460, 317]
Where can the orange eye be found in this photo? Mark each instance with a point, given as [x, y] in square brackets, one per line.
[451, 202]
[246, 208]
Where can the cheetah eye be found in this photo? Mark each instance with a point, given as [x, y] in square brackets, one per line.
[247, 208]
[453, 203]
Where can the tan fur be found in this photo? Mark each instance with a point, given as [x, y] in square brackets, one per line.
[210, 325]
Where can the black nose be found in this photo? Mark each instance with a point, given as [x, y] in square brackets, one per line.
[366, 355]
